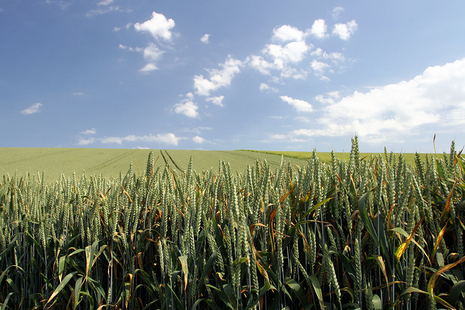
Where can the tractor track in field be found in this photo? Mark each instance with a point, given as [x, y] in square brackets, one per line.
[112, 161]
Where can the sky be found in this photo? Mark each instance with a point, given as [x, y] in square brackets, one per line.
[226, 75]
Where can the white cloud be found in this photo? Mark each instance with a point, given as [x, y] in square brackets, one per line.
[329, 99]
[152, 52]
[216, 100]
[292, 52]
[168, 138]
[345, 31]
[205, 38]
[287, 33]
[116, 29]
[289, 48]
[105, 2]
[259, 63]
[105, 10]
[32, 109]
[89, 132]
[78, 94]
[336, 11]
[302, 119]
[149, 67]
[218, 78]
[198, 139]
[335, 56]
[86, 141]
[319, 69]
[299, 105]
[432, 101]
[318, 29]
[158, 26]
[188, 108]
[266, 87]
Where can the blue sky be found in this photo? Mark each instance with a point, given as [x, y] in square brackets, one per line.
[226, 75]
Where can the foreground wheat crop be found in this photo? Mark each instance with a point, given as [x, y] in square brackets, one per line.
[371, 233]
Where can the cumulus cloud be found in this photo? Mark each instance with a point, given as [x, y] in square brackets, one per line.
[205, 38]
[158, 26]
[433, 100]
[299, 105]
[218, 78]
[287, 33]
[32, 109]
[187, 108]
[287, 50]
[318, 29]
[216, 100]
[345, 31]
[168, 138]
[292, 52]
[198, 139]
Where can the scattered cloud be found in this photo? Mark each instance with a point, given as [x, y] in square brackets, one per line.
[345, 31]
[78, 94]
[32, 109]
[198, 139]
[318, 29]
[83, 141]
[218, 78]
[149, 67]
[168, 138]
[187, 108]
[302, 119]
[103, 10]
[205, 38]
[105, 2]
[216, 100]
[319, 69]
[336, 11]
[158, 26]
[89, 132]
[266, 87]
[433, 99]
[299, 105]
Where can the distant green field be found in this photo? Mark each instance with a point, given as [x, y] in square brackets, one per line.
[326, 156]
[110, 162]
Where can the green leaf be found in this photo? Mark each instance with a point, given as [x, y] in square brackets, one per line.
[366, 218]
[455, 292]
[298, 291]
[317, 289]
[61, 286]
[5, 303]
[77, 292]
[223, 296]
[176, 298]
